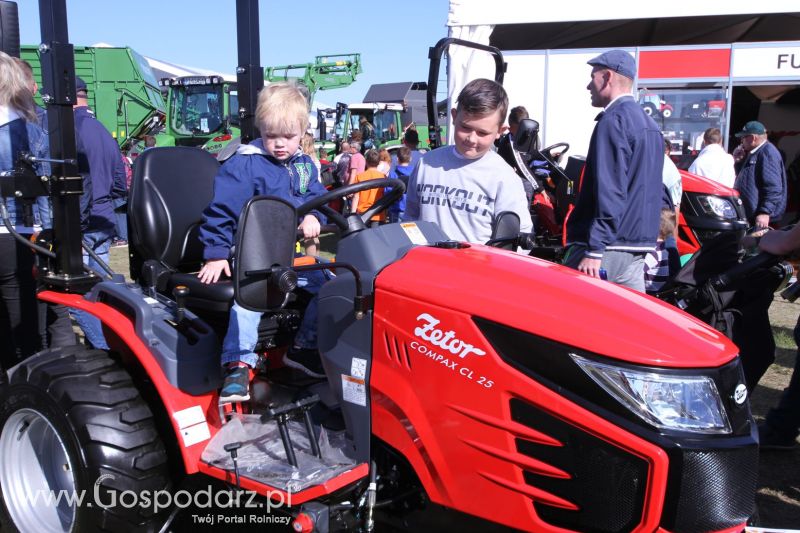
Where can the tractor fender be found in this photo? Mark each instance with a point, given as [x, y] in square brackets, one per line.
[194, 417]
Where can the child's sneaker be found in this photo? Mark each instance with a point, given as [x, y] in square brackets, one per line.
[236, 387]
[305, 360]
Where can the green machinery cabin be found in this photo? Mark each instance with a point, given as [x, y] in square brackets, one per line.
[122, 90]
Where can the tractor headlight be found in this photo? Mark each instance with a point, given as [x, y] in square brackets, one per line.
[721, 207]
[667, 401]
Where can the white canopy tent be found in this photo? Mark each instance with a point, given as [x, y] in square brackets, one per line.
[514, 26]
[501, 12]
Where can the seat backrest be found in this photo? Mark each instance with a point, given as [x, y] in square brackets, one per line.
[171, 187]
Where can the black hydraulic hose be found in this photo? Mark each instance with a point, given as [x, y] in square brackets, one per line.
[93, 255]
[379, 504]
[399, 497]
[735, 273]
[10, 227]
[44, 251]
[362, 303]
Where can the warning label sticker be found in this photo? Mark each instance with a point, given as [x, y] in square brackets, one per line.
[414, 233]
[358, 368]
[354, 390]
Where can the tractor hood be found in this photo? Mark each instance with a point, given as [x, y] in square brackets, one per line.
[694, 183]
[550, 301]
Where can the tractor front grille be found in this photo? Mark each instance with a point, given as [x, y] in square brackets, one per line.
[711, 479]
[606, 483]
[712, 490]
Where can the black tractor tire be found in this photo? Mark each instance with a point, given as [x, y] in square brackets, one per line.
[650, 109]
[88, 425]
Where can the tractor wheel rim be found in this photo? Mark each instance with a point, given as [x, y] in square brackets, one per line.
[36, 474]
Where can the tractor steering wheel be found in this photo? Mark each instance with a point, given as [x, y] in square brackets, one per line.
[383, 203]
[548, 152]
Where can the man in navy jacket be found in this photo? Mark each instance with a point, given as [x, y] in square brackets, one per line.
[761, 182]
[100, 165]
[616, 217]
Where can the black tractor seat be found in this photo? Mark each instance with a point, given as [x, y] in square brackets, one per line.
[208, 296]
[170, 189]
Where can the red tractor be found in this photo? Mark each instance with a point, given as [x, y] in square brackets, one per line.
[458, 394]
[654, 105]
[708, 208]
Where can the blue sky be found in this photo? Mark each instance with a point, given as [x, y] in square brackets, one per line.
[392, 37]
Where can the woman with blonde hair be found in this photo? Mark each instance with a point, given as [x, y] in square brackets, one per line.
[307, 145]
[19, 132]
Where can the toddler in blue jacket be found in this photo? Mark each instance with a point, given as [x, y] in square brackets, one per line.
[273, 165]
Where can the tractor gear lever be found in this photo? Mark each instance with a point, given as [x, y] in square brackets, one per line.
[180, 293]
[232, 448]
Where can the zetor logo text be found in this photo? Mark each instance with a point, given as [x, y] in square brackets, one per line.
[446, 340]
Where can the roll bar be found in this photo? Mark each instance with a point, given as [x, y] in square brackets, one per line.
[435, 54]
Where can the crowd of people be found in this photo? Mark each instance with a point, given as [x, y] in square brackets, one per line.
[622, 227]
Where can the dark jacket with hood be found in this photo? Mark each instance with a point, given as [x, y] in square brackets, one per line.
[251, 172]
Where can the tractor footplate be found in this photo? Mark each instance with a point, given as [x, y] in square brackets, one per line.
[262, 456]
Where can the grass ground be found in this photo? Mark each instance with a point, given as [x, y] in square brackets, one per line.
[778, 495]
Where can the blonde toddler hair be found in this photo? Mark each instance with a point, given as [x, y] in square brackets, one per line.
[282, 108]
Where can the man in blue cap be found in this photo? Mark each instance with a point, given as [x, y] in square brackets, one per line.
[616, 217]
[761, 182]
[100, 164]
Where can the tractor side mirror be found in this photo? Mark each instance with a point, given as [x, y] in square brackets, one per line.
[263, 275]
[506, 225]
[527, 138]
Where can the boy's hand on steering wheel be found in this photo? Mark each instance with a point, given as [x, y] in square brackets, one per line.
[212, 270]
[310, 227]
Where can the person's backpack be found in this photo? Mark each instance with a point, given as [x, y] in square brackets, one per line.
[342, 171]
